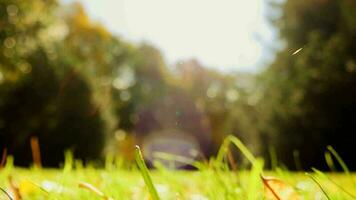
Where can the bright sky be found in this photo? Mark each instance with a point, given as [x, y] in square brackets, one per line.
[227, 35]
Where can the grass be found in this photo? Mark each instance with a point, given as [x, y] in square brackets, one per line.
[212, 180]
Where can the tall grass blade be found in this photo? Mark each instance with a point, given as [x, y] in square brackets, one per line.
[319, 185]
[257, 164]
[234, 140]
[244, 150]
[68, 161]
[109, 161]
[145, 173]
[273, 157]
[329, 161]
[320, 173]
[341, 162]
[254, 180]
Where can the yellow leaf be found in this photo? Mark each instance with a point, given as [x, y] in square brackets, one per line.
[276, 189]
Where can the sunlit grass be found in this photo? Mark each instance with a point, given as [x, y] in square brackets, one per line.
[213, 180]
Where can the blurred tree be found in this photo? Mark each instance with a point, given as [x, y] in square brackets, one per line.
[42, 93]
[68, 80]
[308, 98]
[102, 58]
[137, 84]
[224, 100]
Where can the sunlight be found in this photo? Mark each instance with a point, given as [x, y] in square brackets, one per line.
[225, 34]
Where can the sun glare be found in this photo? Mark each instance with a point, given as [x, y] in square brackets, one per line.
[225, 34]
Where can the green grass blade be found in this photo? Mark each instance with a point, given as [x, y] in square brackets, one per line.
[319, 185]
[222, 152]
[341, 162]
[254, 183]
[234, 140]
[68, 161]
[109, 161]
[320, 173]
[329, 161]
[145, 174]
[244, 150]
[273, 157]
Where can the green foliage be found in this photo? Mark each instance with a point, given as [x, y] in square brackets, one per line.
[308, 100]
[145, 174]
[42, 94]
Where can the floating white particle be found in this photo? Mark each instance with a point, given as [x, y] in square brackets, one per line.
[297, 51]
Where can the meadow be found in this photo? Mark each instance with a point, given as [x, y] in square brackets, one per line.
[213, 179]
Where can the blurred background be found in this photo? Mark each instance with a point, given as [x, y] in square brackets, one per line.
[176, 77]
